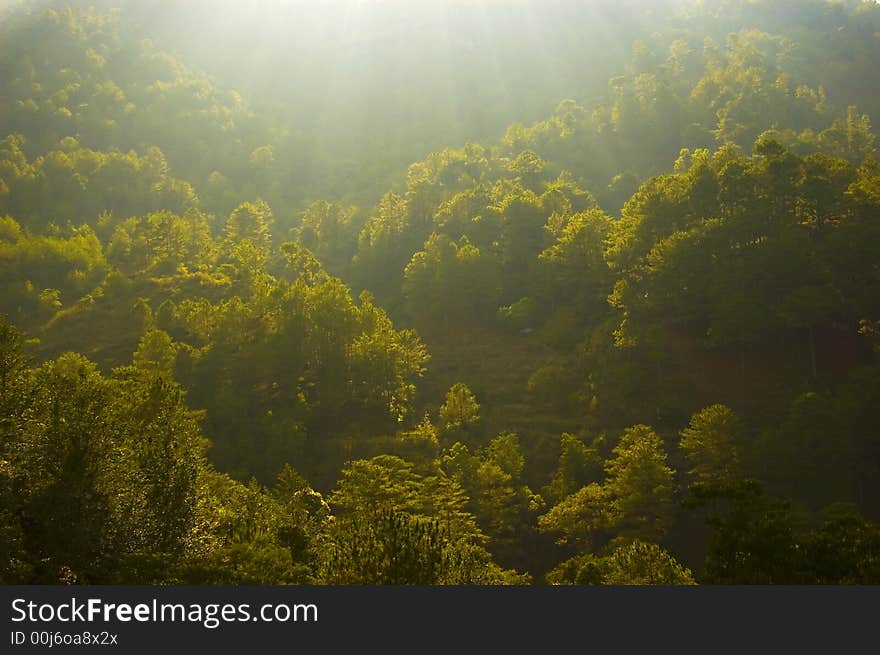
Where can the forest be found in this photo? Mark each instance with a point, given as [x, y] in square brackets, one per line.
[465, 292]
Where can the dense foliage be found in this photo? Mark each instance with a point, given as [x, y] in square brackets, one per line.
[634, 341]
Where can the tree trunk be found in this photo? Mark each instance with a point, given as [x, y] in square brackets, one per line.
[813, 354]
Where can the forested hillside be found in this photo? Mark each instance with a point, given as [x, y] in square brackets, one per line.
[469, 292]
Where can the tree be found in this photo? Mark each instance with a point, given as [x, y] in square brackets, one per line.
[386, 546]
[640, 485]
[752, 539]
[636, 563]
[710, 444]
[640, 563]
[844, 549]
[579, 465]
[389, 482]
[156, 354]
[71, 474]
[13, 366]
[251, 221]
[16, 402]
[327, 230]
[580, 275]
[634, 501]
[808, 307]
[460, 410]
[500, 501]
[581, 517]
[850, 139]
[448, 282]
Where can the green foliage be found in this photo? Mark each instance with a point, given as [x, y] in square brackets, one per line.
[108, 468]
[392, 547]
[79, 184]
[446, 281]
[385, 548]
[640, 485]
[695, 228]
[156, 354]
[460, 409]
[327, 229]
[579, 465]
[40, 274]
[635, 501]
[710, 443]
[388, 481]
[577, 264]
[756, 540]
[251, 221]
[492, 478]
[752, 542]
[580, 516]
[397, 526]
[641, 563]
[843, 550]
[637, 563]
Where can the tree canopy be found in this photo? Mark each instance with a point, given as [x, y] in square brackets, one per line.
[492, 293]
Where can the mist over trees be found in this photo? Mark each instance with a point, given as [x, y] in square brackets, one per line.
[455, 292]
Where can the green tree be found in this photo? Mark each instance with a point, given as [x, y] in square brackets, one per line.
[156, 354]
[252, 221]
[710, 444]
[579, 465]
[460, 409]
[637, 563]
[640, 485]
[752, 539]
